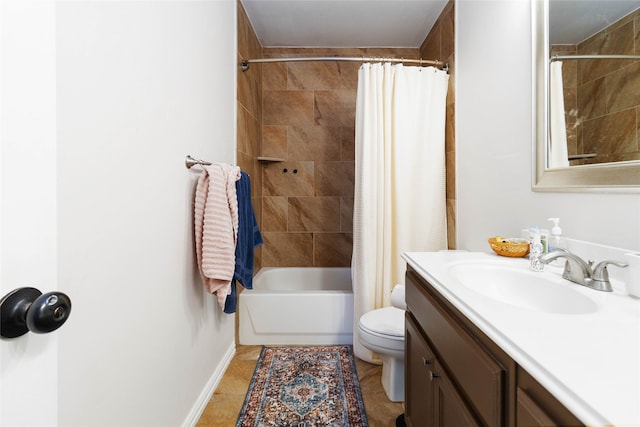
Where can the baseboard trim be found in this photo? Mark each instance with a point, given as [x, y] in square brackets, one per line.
[209, 388]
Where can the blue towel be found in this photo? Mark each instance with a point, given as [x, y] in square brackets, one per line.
[248, 238]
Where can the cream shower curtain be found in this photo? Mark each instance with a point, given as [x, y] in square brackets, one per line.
[558, 152]
[399, 201]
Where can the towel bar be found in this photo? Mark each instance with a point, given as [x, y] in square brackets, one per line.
[190, 162]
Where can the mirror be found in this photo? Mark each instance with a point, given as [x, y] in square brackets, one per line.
[616, 170]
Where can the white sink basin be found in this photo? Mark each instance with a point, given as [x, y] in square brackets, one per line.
[538, 291]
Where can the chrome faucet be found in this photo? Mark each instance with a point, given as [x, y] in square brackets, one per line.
[579, 271]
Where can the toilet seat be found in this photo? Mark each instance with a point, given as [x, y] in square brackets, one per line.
[383, 329]
[388, 321]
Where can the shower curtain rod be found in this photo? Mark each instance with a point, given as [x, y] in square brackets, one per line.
[245, 62]
[563, 57]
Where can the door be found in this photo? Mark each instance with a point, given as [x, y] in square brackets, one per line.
[28, 240]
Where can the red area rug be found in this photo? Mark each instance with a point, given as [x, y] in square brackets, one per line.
[304, 387]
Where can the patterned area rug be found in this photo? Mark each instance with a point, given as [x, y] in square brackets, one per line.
[304, 387]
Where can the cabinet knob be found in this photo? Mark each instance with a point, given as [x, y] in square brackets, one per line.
[433, 375]
[426, 361]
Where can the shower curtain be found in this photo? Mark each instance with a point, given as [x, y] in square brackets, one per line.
[399, 200]
[558, 152]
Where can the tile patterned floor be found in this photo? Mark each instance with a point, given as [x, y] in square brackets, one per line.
[226, 402]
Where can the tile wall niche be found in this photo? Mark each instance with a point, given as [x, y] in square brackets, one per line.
[304, 113]
[602, 97]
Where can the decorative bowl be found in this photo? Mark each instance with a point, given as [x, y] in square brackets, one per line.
[510, 247]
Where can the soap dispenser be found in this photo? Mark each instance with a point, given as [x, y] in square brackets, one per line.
[556, 241]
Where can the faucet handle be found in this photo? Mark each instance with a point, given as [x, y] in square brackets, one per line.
[600, 271]
[601, 274]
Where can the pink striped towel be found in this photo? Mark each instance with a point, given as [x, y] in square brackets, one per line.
[216, 227]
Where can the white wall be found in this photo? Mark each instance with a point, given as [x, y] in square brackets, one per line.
[139, 86]
[494, 140]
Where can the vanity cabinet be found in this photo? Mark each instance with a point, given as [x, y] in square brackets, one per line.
[431, 398]
[451, 378]
[456, 376]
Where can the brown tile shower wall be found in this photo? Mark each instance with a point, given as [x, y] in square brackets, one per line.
[439, 44]
[602, 97]
[309, 121]
[304, 113]
[249, 109]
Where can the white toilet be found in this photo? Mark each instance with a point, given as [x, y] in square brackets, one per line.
[382, 331]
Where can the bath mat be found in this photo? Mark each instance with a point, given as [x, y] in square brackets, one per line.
[304, 387]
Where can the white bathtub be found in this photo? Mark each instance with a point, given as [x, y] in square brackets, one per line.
[297, 305]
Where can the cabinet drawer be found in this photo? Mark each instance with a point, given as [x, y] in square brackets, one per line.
[537, 407]
[471, 369]
[530, 414]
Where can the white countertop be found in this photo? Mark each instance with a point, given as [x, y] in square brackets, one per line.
[590, 361]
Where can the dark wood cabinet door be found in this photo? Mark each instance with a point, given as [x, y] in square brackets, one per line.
[431, 399]
[419, 361]
[450, 408]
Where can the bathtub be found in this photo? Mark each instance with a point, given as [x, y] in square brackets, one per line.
[297, 305]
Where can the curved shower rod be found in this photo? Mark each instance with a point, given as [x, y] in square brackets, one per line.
[244, 64]
[570, 57]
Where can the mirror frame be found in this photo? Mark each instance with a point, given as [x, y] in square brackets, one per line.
[622, 177]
